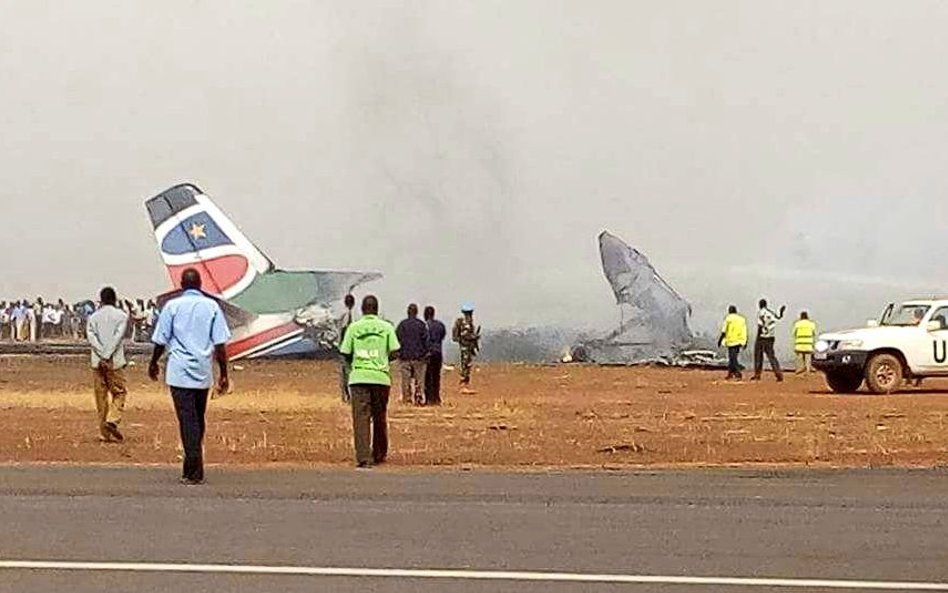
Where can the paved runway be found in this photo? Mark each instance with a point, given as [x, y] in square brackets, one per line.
[870, 526]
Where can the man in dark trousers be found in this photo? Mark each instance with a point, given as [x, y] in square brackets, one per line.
[766, 336]
[370, 344]
[436, 335]
[734, 338]
[192, 328]
[349, 302]
[413, 358]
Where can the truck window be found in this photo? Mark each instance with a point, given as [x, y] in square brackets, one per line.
[908, 315]
[941, 316]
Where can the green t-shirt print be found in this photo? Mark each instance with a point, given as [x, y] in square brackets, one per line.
[369, 340]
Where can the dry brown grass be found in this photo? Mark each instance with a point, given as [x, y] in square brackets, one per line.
[289, 412]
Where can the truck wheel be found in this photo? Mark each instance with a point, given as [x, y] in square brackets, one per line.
[843, 381]
[884, 373]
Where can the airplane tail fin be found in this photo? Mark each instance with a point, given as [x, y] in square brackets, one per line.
[193, 232]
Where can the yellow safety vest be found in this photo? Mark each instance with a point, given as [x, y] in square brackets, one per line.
[804, 335]
[734, 330]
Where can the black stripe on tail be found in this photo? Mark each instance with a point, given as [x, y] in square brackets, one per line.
[170, 202]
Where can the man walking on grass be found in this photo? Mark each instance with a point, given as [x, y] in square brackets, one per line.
[764, 343]
[413, 358]
[369, 345]
[106, 334]
[192, 328]
[346, 321]
[734, 338]
[436, 334]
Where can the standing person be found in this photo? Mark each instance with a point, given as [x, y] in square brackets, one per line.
[57, 318]
[5, 321]
[32, 322]
[62, 317]
[106, 334]
[804, 340]
[193, 329]
[436, 335]
[468, 337]
[11, 324]
[36, 326]
[141, 322]
[734, 338]
[47, 328]
[151, 314]
[129, 308]
[21, 321]
[766, 337]
[370, 344]
[83, 311]
[344, 367]
[412, 334]
[73, 322]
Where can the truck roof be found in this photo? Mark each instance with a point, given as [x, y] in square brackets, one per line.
[927, 302]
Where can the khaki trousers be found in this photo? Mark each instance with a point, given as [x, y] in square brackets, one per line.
[109, 387]
[413, 380]
[804, 362]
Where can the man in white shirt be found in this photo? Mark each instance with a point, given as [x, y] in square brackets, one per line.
[58, 316]
[105, 330]
[5, 321]
[766, 337]
[47, 325]
[32, 322]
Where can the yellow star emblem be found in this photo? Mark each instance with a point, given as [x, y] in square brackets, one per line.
[197, 231]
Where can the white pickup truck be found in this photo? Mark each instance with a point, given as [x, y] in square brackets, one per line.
[906, 343]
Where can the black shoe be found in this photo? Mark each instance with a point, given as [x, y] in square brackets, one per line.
[363, 465]
[190, 482]
[113, 431]
[779, 378]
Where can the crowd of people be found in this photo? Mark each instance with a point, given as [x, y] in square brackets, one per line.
[421, 352]
[41, 320]
[370, 343]
[192, 330]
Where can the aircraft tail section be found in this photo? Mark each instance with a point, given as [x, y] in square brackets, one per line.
[193, 232]
[661, 314]
[282, 290]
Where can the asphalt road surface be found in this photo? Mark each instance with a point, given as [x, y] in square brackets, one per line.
[834, 527]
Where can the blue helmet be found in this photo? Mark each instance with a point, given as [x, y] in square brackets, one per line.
[467, 307]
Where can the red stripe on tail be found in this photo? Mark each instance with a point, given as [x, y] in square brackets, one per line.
[218, 274]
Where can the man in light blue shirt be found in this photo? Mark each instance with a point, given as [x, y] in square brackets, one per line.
[192, 328]
[19, 316]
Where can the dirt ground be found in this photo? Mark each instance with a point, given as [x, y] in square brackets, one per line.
[521, 416]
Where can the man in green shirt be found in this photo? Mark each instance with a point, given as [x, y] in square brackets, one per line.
[369, 345]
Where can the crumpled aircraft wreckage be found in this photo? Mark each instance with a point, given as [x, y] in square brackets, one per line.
[653, 326]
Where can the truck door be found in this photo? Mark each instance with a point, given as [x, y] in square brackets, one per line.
[934, 353]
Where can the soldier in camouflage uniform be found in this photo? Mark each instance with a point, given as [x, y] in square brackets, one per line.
[468, 337]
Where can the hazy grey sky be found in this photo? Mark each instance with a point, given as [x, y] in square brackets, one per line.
[473, 150]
